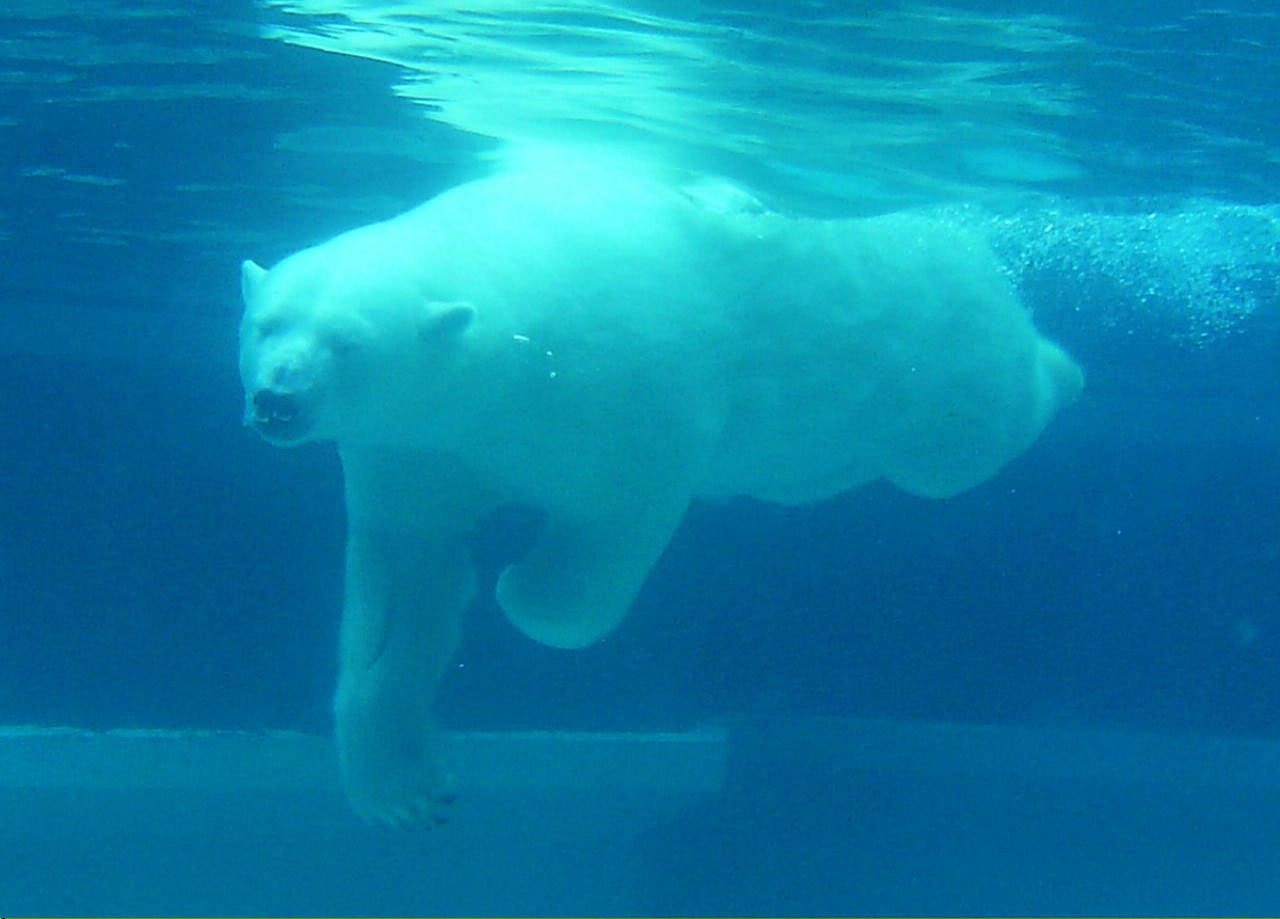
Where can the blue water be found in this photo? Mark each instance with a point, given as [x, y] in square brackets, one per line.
[163, 568]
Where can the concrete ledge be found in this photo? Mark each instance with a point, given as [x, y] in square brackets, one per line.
[787, 816]
[182, 823]
[208, 761]
[945, 751]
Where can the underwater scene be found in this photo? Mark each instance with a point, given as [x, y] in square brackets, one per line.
[630, 457]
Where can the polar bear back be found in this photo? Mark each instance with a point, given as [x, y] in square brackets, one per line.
[891, 347]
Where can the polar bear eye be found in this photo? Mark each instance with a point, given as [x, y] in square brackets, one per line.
[344, 341]
[269, 327]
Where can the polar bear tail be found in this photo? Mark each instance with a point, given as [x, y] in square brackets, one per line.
[1060, 380]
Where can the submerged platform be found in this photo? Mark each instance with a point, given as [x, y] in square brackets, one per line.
[785, 817]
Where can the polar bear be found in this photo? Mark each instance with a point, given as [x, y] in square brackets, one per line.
[606, 345]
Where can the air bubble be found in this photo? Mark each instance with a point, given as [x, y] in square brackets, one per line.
[1197, 270]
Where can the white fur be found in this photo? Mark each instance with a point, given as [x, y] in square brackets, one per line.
[607, 347]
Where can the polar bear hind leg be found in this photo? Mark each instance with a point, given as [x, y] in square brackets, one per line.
[582, 574]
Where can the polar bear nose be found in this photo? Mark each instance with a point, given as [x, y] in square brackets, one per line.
[274, 409]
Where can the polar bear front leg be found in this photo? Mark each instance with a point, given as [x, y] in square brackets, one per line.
[409, 578]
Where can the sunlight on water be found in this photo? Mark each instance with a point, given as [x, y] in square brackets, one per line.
[821, 107]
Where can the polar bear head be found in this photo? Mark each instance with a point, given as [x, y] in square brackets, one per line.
[344, 342]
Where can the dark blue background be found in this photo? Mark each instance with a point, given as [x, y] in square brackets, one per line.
[160, 566]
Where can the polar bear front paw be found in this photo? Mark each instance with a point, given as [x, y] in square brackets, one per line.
[391, 768]
[400, 798]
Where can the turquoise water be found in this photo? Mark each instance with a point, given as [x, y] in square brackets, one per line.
[1114, 590]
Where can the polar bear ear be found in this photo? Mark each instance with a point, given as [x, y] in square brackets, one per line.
[251, 275]
[443, 321]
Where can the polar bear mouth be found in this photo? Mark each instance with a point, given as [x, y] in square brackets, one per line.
[276, 415]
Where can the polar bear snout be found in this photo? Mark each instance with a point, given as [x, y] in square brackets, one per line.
[283, 382]
[275, 408]
[277, 415]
